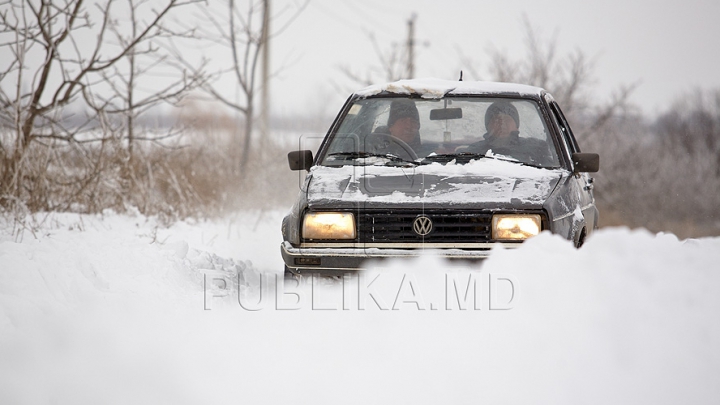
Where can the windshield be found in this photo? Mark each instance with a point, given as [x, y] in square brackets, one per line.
[402, 131]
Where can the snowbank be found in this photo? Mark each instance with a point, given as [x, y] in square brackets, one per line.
[116, 309]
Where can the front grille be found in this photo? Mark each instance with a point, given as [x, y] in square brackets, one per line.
[390, 226]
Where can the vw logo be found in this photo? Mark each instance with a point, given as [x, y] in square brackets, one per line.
[422, 225]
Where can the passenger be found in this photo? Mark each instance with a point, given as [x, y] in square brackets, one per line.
[502, 123]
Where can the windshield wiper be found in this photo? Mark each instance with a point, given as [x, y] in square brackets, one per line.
[529, 164]
[447, 157]
[512, 160]
[363, 155]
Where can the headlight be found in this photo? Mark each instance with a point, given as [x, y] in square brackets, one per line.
[515, 227]
[329, 225]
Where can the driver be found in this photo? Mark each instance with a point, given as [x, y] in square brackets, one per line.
[404, 122]
[403, 125]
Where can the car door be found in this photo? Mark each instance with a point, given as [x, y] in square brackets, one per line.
[584, 183]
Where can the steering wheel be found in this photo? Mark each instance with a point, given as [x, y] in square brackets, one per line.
[384, 143]
[502, 151]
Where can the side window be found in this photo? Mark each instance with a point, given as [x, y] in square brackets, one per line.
[564, 146]
[565, 127]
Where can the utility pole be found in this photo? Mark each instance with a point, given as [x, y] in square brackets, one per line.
[265, 87]
[411, 47]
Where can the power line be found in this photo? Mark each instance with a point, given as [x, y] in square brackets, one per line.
[368, 24]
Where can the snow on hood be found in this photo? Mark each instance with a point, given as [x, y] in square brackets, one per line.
[437, 88]
[480, 181]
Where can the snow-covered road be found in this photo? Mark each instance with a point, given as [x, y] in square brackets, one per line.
[118, 310]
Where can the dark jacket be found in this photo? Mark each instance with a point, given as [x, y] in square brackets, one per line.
[528, 150]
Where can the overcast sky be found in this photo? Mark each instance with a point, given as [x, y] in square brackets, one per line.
[667, 46]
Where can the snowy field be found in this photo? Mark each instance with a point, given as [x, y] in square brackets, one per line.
[119, 310]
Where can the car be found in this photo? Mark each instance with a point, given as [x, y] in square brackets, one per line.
[448, 167]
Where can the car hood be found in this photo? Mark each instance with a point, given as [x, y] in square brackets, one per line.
[484, 184]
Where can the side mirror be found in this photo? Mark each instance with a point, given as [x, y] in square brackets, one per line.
[586, 162]
[300, 160]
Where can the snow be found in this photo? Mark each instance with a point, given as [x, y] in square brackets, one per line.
[496, 180]
[117, 309]
[487, 167]
[433, 88]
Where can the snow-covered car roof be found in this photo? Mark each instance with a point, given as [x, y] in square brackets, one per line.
[437, 88]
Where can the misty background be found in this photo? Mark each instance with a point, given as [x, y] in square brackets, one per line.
[188, 108]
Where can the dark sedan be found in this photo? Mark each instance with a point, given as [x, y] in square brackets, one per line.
[452, 167]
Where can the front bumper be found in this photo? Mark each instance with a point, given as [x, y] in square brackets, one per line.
[339, 258]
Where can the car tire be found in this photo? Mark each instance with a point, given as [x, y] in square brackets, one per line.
[581, 239]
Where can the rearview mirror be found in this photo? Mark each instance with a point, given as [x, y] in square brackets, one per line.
[445, 114]
[300, 160]
[586, 162]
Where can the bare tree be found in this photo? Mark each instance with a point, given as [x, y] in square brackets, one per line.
[244, 31]
[145, 62]
[568, 77]
[392, 64]
[397, 61]
[692, 124]
[60, 59]
[660, 174]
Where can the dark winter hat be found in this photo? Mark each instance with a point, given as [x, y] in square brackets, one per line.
[503, 107]
[402, 108]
